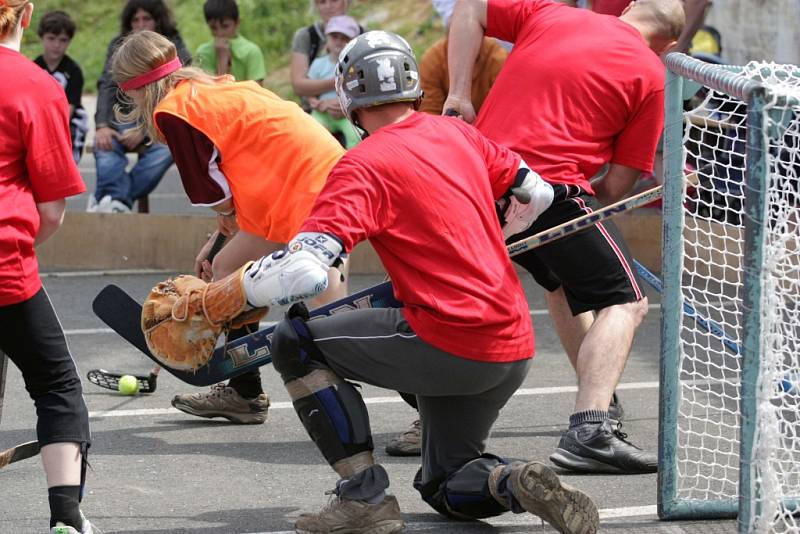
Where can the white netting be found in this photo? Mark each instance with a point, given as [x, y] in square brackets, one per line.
[776, 451]
[713, 283]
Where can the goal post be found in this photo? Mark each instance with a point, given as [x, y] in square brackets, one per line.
[729, 413]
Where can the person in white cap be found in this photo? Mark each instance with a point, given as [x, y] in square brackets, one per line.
[339, 31]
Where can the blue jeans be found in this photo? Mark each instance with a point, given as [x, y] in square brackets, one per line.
[114, 179]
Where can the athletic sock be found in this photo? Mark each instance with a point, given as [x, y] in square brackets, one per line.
[586, 422]
[65, 507]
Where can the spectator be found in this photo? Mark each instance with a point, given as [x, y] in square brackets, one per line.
[117, 187]
[307, 45]
[56, 30]
[339, 31]
[229, 52]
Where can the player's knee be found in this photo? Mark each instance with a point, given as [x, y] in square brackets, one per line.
[465, 493]
[639, 310]
[292, 348]
[221, 267]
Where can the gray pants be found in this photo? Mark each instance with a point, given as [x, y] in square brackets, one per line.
[459, 399]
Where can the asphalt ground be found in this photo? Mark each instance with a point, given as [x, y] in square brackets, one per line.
[155, 469]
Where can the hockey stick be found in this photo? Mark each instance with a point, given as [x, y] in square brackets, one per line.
[147, 383]
[3, 372]
[20, 452]
[121, 312]
[708, 325]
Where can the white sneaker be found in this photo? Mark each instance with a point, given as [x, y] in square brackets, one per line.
[91, 206]
[86, 528]
[110, 205]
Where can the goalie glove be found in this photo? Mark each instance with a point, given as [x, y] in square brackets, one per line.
[298, 272]
[524, 201]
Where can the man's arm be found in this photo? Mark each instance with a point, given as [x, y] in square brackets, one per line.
[617, 182]
[695, 16]
[51, 215]
[467, 28]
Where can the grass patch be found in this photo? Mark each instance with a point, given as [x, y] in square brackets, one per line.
[269, 23]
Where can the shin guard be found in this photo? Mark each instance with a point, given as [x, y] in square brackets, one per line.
[330, 408]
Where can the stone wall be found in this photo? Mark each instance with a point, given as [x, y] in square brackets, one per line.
[767, 30]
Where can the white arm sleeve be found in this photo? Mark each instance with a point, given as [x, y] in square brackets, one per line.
[297, 272]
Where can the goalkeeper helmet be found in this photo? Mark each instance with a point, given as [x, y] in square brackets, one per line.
[376, 68]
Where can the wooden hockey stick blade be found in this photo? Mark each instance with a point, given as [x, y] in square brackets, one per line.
[714, 328]
[20, 452]
[110, 380]
[585, 221]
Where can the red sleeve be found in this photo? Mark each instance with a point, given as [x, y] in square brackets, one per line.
[505, 19]
[501, 163]
[636, 146]
[51, 169]
[204, 183]
[352, 206]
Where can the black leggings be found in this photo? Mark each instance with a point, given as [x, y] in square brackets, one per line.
[31, 335]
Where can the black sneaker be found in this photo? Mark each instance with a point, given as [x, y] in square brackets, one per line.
[615, 411]
[606, 450]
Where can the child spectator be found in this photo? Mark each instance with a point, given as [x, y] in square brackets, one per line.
[56, 30]
[229, 52]
[339, 31]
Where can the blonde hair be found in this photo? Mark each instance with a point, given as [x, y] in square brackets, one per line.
[138, 54]
[665, 17]
[10, 13]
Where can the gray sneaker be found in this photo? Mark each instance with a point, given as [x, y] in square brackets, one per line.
[344, 516]
[409, 443]
[538, 490]
[224, 401]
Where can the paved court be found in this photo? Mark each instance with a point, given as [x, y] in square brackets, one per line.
[157, 470]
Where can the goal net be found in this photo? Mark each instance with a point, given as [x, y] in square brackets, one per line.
[730, 391]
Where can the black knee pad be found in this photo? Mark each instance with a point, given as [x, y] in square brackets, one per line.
[464, 494]
[293, 348]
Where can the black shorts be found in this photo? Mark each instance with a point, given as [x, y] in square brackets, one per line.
[593, 265]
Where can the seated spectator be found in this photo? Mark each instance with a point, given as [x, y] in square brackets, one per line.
[56, 30]
[307, 45]
[434, 76]
[117, 187]
[229, 52]
[339, 31]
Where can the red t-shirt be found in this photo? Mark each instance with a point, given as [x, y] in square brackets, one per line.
[610, 7]
[578, 90]
[422, 192]
[36, 166]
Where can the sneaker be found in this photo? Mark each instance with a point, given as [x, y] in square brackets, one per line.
[539, 490]
[91, 205]
[86, 528]
[344, 516]
[224, 401]
[615, 411]
[110, 205]
[408, 443]
[606, 450]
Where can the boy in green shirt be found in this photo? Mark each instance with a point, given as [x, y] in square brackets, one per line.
[229, 52]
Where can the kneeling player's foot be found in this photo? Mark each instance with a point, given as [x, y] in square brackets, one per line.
[344, 516]
[606, 450]
[409, 443]
[86, 528]
[615, 411]
[224, 401]
[539, 490]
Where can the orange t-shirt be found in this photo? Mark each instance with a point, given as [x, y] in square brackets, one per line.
[274, 156]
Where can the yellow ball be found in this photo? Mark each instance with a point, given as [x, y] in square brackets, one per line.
[128, 385]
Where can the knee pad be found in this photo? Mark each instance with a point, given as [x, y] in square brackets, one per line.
[293, 348]
[465, 493]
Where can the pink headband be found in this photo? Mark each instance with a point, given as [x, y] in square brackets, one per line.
[156, 74]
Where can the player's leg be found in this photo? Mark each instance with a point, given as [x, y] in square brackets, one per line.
[596, 272]
[33, 339]
[459, 479]
[243, 399]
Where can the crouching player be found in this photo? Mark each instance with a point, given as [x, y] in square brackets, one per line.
[421, 189]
